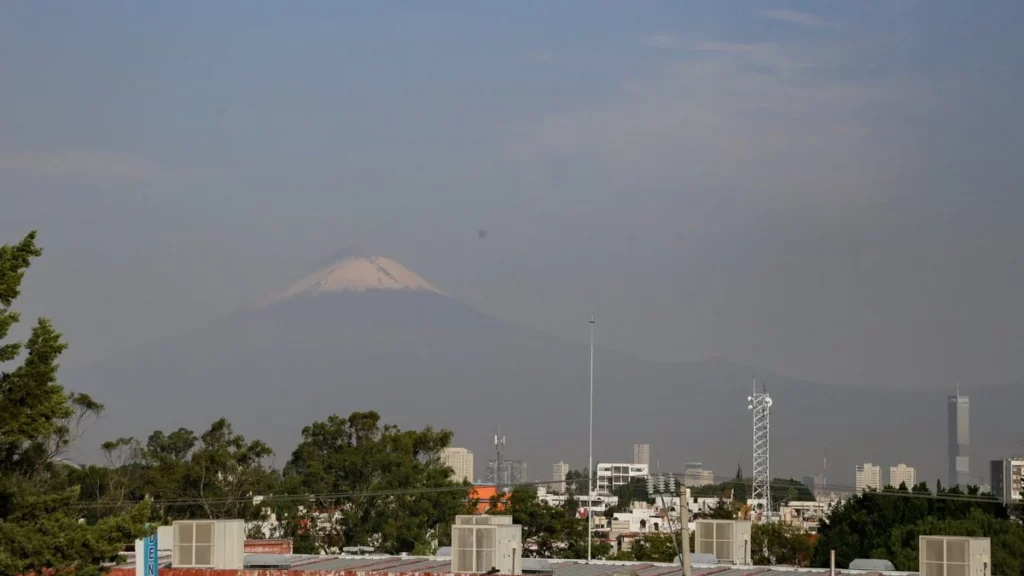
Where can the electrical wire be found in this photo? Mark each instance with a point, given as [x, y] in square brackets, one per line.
[838, 489]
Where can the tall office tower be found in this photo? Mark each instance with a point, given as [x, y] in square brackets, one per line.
[560, 472]
[460, 460]
[958, 422]
[642, 454]
[868, 477]
[902, 474]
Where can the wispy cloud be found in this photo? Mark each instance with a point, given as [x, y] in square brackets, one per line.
[768, 134]
[665, 41]
[80, 165]
[762, 53]
[797, 18]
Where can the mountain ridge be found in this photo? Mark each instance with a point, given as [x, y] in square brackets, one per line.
[422, 358]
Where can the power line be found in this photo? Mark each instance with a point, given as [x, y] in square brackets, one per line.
[848, 490]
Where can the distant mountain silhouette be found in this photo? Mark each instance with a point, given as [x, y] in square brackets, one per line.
[421, 358]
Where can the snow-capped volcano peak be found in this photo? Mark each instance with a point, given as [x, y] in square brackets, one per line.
[359, 274]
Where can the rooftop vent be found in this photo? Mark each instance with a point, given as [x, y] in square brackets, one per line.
[954, 556]
[479, 547]
[727, 540]
[217, 544]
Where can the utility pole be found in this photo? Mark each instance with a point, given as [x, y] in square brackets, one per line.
[684, 522]
[590, 458]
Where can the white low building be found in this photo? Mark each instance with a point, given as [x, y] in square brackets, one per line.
[611, 476]
[601, 502]
[806, 514]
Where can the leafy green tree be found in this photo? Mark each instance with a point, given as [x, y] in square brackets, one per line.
[576, 482]
[40, 528]
[887, 525]
[739, 486]
[790, 490]
[775, 543]
[654, 547]
[722, 510]
[549, 531]
[361, 475]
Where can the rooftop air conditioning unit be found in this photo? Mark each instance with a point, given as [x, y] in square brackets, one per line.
[164, 538]
[479, 548]
[727, 540]
[217, 544]
[483, 520]
[954, 556]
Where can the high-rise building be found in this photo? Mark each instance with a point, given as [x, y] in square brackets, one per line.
[958, 422]
[642, 454]
[902, 474]
[559, 473]
[1007, 484]
[695, 475]
[511, 473]
[460, 460]
[868, 477]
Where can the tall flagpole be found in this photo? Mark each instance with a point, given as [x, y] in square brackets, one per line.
[590, 464]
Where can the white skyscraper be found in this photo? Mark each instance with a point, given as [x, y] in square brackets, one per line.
[560, 472]
[642, 454]
[902, 473]
[460, 460]
[868, 476]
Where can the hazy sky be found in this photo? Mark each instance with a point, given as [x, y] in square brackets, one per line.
[830, 190]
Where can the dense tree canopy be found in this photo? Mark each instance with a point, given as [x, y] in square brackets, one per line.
[887, 525]
[352, 464]
[549, 531]
[39, 524]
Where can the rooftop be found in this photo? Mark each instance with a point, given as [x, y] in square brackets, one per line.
[407, 565]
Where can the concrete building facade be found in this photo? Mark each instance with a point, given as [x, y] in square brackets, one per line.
[868, 476]
[610, 476]
[1007, 483]
[901, 473]
[460, 460]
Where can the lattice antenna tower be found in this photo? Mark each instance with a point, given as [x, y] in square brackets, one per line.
[760, 404]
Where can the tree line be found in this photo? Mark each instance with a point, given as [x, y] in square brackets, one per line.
[357, 481]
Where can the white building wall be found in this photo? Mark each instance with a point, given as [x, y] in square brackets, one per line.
[902, 473]
[868, 476]
[613, 475]
[460, 460]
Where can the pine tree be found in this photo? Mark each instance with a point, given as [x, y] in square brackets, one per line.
[39, 524]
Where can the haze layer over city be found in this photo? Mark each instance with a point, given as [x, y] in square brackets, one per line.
[822, 196]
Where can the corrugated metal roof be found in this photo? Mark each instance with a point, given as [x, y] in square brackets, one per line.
[441, 565]
[382, 564]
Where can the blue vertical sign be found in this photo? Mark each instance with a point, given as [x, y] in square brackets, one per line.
[152, 555]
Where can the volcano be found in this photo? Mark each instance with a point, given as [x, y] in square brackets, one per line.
[366, 333]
